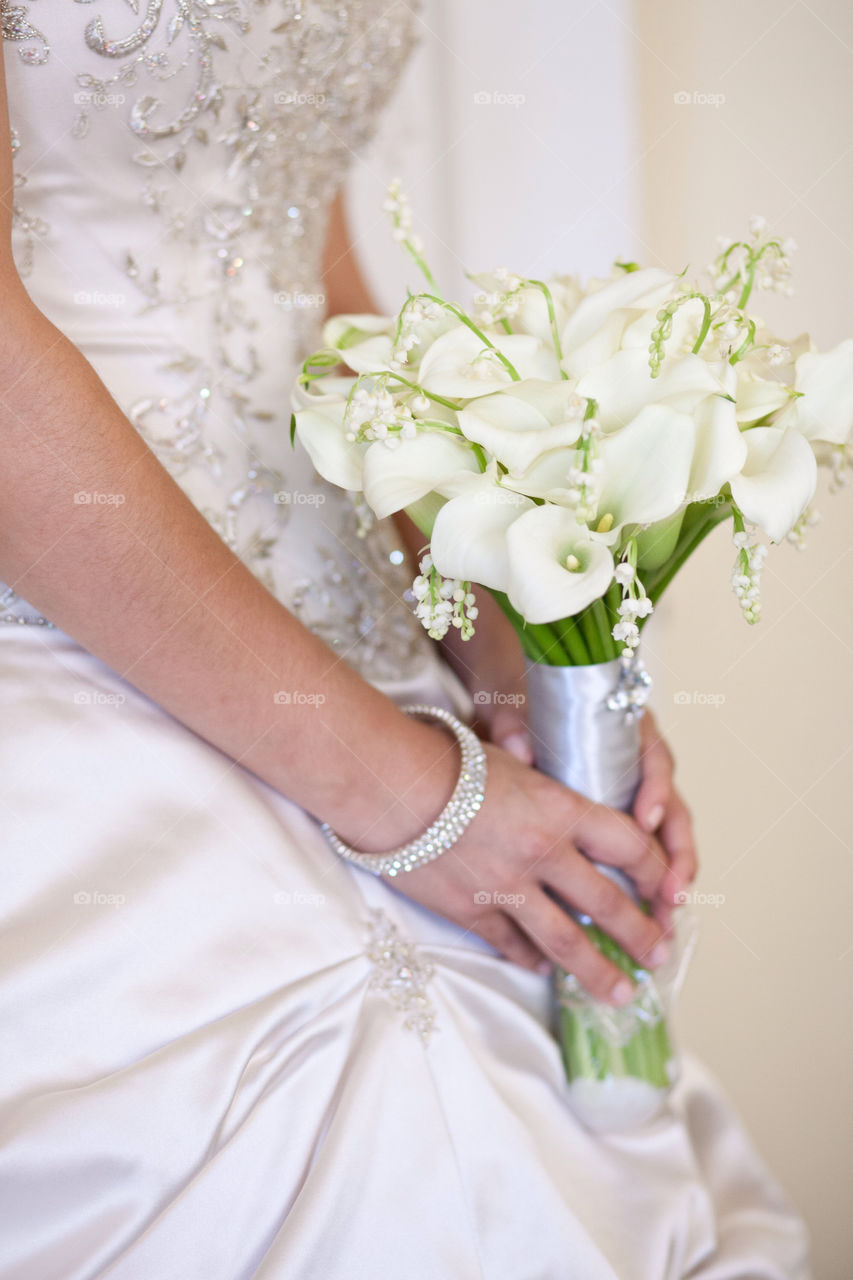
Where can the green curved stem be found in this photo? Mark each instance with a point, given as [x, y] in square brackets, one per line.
[552, 320]
[469, 323]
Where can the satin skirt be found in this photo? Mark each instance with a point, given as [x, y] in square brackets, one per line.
[227, 1054]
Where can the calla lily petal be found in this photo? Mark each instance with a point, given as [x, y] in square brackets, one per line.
[777, 481]
[469, 535]
[646, 466]
[720, 450]
[365, 342]
[459, 365]
[824, 410]
[602, 343]
[513, 429]
[320, 430]
[547, 478]
[555, 400]
[330, 389]
[647, 288]
[541, 586]
[623, 385]
[397, 477]
[532, 314]
[758, 397]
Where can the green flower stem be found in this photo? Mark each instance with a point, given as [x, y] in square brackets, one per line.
[744, 347]
[706, 325]
[552, 320]
[588, 1054]
[548, 637]
[696, 526]
[532, 646]
[469, 323]
[748, 283]
[420, 263]
[573, 642]
[591, 634]
[605, 626]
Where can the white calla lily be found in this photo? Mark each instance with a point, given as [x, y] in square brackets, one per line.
[824, 409]
[623, 385]
[331, 387]
[516, 426]
[599, 346]
[396, 477]
[777, 481]
[646, 466]
[644, 471]
[648, 288]
[365, 342]
[720, 447]
[757, 397]
[469, 534]
[555, 566]
[458, 364]
[320, 429]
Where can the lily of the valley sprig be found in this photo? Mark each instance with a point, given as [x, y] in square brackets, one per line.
[568, 446]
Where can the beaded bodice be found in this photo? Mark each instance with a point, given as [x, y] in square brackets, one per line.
[175, 162]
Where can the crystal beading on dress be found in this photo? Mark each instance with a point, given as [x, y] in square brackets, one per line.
[227, 129]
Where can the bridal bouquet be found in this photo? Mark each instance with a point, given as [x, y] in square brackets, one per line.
[568, 446]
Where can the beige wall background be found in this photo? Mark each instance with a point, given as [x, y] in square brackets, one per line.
[768, 771]
[580, 153]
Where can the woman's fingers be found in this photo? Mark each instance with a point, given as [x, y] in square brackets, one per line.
[655, 789]
[677, 835]
[505, 935]
[614, 838]
[564, 942]
[508, 729]
[591, 891]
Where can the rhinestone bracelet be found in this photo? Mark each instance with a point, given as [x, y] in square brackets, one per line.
[466, 801]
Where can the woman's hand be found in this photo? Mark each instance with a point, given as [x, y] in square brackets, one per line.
[659, 808]
[534, 838]
[491, 665]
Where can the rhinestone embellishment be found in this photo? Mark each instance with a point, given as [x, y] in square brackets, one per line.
[400, 975]
[234, 122]
[632, 691]
[461, 808]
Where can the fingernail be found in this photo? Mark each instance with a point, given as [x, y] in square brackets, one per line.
[659, 954]
[622, 992]
[655, 818]
[518, 745]
[544, 967]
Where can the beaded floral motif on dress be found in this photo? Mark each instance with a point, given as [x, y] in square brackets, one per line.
[356, 600]
[281, 122]
[401, 975]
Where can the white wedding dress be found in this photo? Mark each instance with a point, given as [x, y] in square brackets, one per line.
[227, 1054]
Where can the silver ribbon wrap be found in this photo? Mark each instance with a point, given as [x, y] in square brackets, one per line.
[585, 726]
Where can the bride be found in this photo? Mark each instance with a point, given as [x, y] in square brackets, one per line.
[229, 1052]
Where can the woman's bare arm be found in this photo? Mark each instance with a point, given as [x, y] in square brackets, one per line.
[151, 589]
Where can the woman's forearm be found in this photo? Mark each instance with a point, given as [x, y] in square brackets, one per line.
[148, 586]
